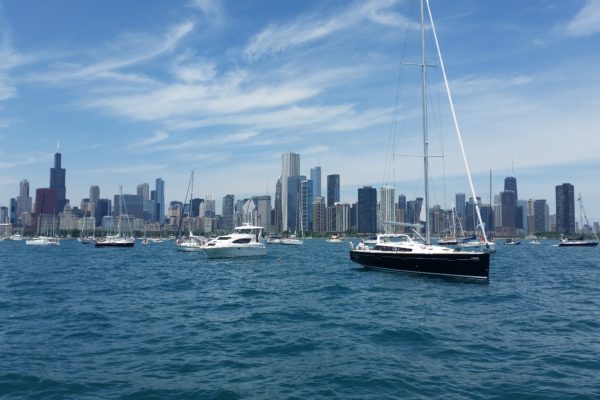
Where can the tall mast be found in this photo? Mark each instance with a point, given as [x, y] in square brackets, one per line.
[425, 139]
[456, 127]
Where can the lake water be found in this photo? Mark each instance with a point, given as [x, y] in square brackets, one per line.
[303, 322]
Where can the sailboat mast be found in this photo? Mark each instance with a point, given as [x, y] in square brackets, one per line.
[425, 138]
[456, 127]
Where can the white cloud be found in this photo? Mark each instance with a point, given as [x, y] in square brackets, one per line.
[128, 50]
[157, 137]
[308, 28]
[587, 20]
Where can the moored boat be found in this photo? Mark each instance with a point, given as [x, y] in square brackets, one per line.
[399, 252]
[244, 241]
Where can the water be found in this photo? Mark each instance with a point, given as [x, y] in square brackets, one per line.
[303, 322]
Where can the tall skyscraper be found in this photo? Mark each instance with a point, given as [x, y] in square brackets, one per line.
[539, 216]
[565, 209]
[277, 218]
[227, 214]
[460, 202]
[315, 177]
[333, 189]
[319, 214]
[264, 212]
[290, 166]
[23, 199]
[510, 183]
[306, 204]
[294, 202]
[160, 200]
[93, 199]
[103, 209]
[57, 183]
[387, 211]
[508, 203]
[143, 190]
[367, 209]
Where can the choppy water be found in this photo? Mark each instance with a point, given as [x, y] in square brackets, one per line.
[303, 322]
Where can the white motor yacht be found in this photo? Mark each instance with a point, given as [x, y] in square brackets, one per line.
[244, 241]
[42, 241]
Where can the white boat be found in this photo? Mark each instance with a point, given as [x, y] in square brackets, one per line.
[16, 237]
[118, 240]
[292, 240]
[335, 239]
[42, 241]
[244, 241]
[115, 241]
[274, 239]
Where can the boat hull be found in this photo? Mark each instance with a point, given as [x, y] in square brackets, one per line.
[459, 264]
[231, 252]
[113, 244]
[578, 244]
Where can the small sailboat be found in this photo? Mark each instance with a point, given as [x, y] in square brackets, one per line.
[400, 252]
[119, 240]
[580, 241]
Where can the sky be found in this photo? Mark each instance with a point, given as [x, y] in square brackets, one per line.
[132, 91]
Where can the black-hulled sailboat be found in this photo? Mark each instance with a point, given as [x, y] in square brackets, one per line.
[400, 252]
[580, 241]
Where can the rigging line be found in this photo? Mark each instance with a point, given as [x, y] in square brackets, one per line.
[457, 128]
[390, 164]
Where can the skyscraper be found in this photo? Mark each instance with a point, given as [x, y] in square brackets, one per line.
[227, 214]
[508, 202]
[143, 190]
[333, 189]
[306, 204]
[367, 209]
[319, 214]
[510, 183]
[294, 202]
[23, 199]
[565, 209]
[290, 166]
[387, 211]
[57, 183]
[277, 217]
[160, 200]
[94, 197]
[539, 216]
[103, 209]
[264, 212]
[315, 177]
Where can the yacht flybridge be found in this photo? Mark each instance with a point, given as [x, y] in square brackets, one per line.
[244, 241]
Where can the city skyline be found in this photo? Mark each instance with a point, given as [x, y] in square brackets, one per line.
[224, 89]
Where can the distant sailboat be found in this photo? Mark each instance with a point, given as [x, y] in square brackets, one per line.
[580, 241]
[119, 240]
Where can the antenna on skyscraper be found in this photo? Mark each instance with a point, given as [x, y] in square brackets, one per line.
[58, 146]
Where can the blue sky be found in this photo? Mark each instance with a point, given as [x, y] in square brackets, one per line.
[138, 90]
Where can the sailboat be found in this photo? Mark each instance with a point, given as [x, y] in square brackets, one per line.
[581, 241]
[192, 242]
[400, 252]
[118, 240]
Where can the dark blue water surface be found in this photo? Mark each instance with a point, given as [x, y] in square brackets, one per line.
[302, 322]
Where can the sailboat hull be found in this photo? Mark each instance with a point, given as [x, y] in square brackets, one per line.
[578, 243]
[122, 243]
[458, 264]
